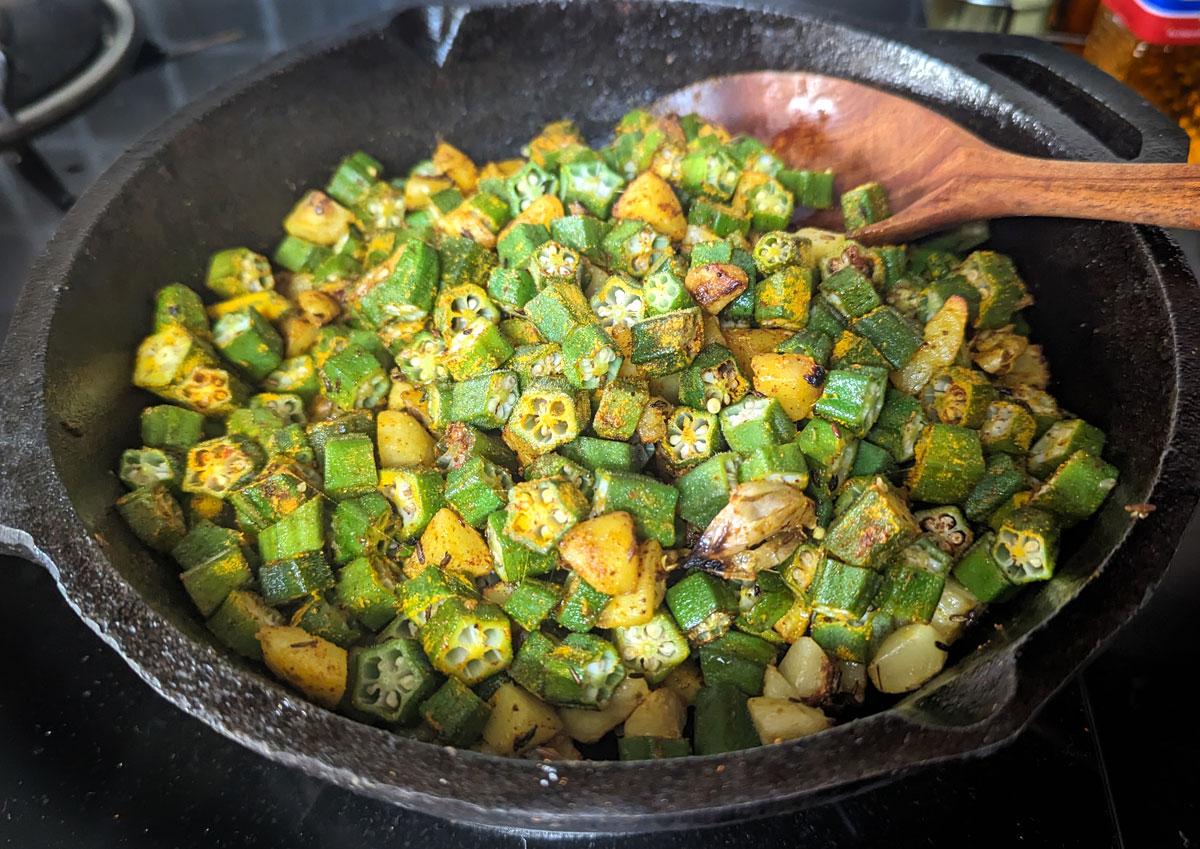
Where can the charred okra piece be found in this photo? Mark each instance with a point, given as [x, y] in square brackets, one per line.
[667, 343]
[961, 396]
[391, 680]
[705, 489]
[477, 489]
[459, 442]
[982, 575]
[853, 397]
[901, 421]
[875, 528]
[1059, 442]
[417, 495]
[947, 528]
[540, 512]
[650, 502]
[692, 437]
[486, 400]
[456, 714]
[703, 605]
[713, 380]
[714, 285]
[367, 588]
[863, 205]
[738, 659]
[756, 422]
[154, 516]
[1077, 488]
[350, 466]
[948, 462]
[652, 649]
[468, 640]
[219, 466]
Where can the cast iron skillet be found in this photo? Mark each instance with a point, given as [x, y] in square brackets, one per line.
[1117, 310]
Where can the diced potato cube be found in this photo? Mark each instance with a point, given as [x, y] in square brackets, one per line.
[810, 672]
[588, 726]
[519, 721]
[907, 658]
[744, 343]
[777, 720]
[314, 666]
[661, 714]
[402, 440]
[796, 381]
[604, 552]
[451, 544]
[650, 198]
[775, 686]
[637, 606]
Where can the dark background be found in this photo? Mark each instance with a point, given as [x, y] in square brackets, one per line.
[90, 757]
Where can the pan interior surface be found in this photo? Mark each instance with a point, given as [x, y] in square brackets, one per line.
[226, 174]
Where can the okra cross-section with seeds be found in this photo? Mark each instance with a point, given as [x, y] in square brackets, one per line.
[543, 450]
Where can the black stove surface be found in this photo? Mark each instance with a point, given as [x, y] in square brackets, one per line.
[91, 757]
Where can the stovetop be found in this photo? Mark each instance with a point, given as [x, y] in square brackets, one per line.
[91, 757]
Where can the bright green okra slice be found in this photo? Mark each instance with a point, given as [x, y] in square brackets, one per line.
[652, 649]
[898, 425]
[1077, 488]
[360, 527]
[423, 359]
[238, 271]
[367, 588]
[171, 428]
[863, 205]
[544, 418]
[1060, 441]
[581, 605]
[532, 602]
[1026, 545]
[705, 490]
[620, 408]
[417, 494]
[468, 640]
[456, 714]
[148, 466]
[281, 487]
[541, 511]
[650, 502]
[239, 618]
[353, 378]
[590, 357]
[486, 400]
[249, 341]
[350, 468]
[713, 381]
[177, 304]
[619, 302]
[876, 527]
[830, 450]
[982, 575]
[948, 462]
[208, 584]
[667, 343]
[294, 577]
[322, 618]
[476, 489]
[391, 680]
[784, 463]
[514, 562]
[756, 422]
[853, 397]
[703, 605]
[692, 437]
[663, 288]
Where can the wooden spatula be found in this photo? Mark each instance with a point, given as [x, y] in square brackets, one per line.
[936, 173]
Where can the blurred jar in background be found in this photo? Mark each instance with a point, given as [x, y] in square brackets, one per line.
[1153, 46]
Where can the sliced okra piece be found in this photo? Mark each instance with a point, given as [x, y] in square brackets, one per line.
[519, 242]
[407, 293]
[543, 419]
[300, 531]
[281, 487]
[342, 423]
[421, 595]
[322, 618]
[353, 177]
[935, 295]
[899, 424]
[948, 462]
[650, 502]
[812, 189]
[238, 271]
[982, 575]
[459, 442]
[219, 466]
[468, 640]
[1060, 441]
[476, 489]
[830, 450]
[176, 304]
[645, 748]
[853, 397]
[558, 309]
[590, 357]
[353, 378]
[692, 437]
[764, 607]
[721, 219]
[713, 380]
[588, 181]
[204, 541]
[1077, 488]
[462, 260]
[537, 361]
[824, 318]
[736, 659]
[540, 512]
[849, 491]
[423, 358]
[581, 605]
[663, 287]
[514, 562]
[154, 516]
[287, 407]
[360, 527]
[631, 246]
[863, 205]
[460, 307]
[783, 463]
[1026, 545]
[652, 649]
[667, 343]
[1001, 290]
[619, 303]
[147, 466]
[511, 288]
[871, 460]
[909, 593]
[294, 577]
[924, 553]
[799, 572]
[532, 602]
[290, 441]
[770, 206]
[417, 495]
[295, 375]
[528, 184]
[486, 400]
[456, 714]
[848, 638]
[367, 588]
[810, 342]
[851, 349]
[476, 349]
[777, 250]
[391, 680]
[239, 618]
[1008, 428]
[595, 454]
[703, 605]
[722, 721]
[620, 409]
[178, 366]
[1001, 481]
[947, 528]
[875, 528]
[705, 489]
[381, 209]
[710, 173]
[961, 396]
[892, 334]
[850, 292]
[171, 428]
[350, 468]
[1040, 404]
[756, 422]
[782, 297]
[841, 589]
[582, 671]
[255, 424]
[581, 233]
[555, 465]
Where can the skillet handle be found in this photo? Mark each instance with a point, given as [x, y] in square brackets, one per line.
[27, 485]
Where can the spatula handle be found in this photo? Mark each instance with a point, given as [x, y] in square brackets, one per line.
[995, 184]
